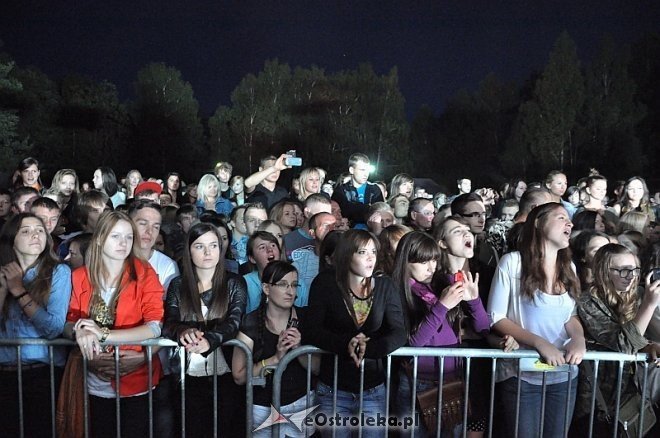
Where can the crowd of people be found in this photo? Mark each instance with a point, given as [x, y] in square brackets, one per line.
[353, 267]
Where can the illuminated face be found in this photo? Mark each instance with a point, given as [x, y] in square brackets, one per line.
[224, 241]
[118, 244]
[401, 206]
[423, 272]
[223, 175]
[283, 293]
[635, 190]
[264, 252]
[186, 221]
[205, 251]
[599, 224]
[5, 205]
[475, 213]
[273, 177]
[313, 183]
[598, 189]
[520, 189]
[406, 188]
[623, 262]
[238, 186]
[508, 213]
[558, 185]
[465, 186]
[192, 191]
[423, 216]
[459, 240]
[595, 243]
[300, 217]
[239, 223]
[173, 183]
[359, 173]
[50, 218]
[325, 224]
[24, 203]
[212, 190]
[558, 227]
[253, 218]
[275, 231]
[289, 219]
[364, 260]
[31, 237]
[75, 258]
[147, 221]
[134, 178]
[98, 179]
[67, 185]
[95, 212]
[30, 175]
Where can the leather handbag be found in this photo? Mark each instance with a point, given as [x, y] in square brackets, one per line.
[453, 402]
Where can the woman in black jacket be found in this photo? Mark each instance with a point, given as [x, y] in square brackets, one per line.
[204, 308]
[358, 317]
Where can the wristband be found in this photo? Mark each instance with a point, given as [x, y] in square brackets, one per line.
[21, 295]
[106, 333]
[263, 363]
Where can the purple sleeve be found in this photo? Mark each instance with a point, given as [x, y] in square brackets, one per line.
[480, 321]
[429, 332]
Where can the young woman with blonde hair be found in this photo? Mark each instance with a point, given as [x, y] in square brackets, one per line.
[116, 297]
[615, 318]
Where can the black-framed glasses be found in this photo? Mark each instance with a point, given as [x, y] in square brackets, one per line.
[284, 285]
[475, 214]
[625, 272]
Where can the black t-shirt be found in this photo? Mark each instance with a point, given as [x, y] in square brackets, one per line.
[294, 379]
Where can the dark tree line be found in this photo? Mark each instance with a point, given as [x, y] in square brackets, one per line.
[571, 115]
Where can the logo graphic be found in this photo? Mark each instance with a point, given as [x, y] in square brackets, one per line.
[296, 419]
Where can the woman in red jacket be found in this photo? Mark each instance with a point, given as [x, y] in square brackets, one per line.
[117, 297]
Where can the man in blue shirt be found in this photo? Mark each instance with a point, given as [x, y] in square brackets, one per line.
[355, 196]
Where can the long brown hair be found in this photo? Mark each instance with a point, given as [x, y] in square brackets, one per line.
[624, 306]
[40, 287]
[191, 306]
[532, 253]
[414, 247]
[349, 243]
[96, 268]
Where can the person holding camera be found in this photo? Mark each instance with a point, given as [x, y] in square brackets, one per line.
[270, 332]
[262, 186]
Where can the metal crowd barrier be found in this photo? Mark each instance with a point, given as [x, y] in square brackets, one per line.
[467, 354]
[407, 352]
[149, 346]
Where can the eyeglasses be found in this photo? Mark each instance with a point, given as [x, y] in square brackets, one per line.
[284, 285]
[475, 214]
[426, 213]
[625, 272]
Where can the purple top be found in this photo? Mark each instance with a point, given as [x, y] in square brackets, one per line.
[435, 330]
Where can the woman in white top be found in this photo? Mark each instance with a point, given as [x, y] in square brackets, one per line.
[532, 298]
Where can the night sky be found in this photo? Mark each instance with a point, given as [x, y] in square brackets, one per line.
[439, 47]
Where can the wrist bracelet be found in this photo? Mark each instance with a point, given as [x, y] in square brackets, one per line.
[263, 363]
[106, 333]
[21, 295]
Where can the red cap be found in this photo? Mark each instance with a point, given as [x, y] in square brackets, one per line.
[148, 185]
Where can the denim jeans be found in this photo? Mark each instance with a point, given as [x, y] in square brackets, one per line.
[261, 413]
[348, 405]
[557, 400]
